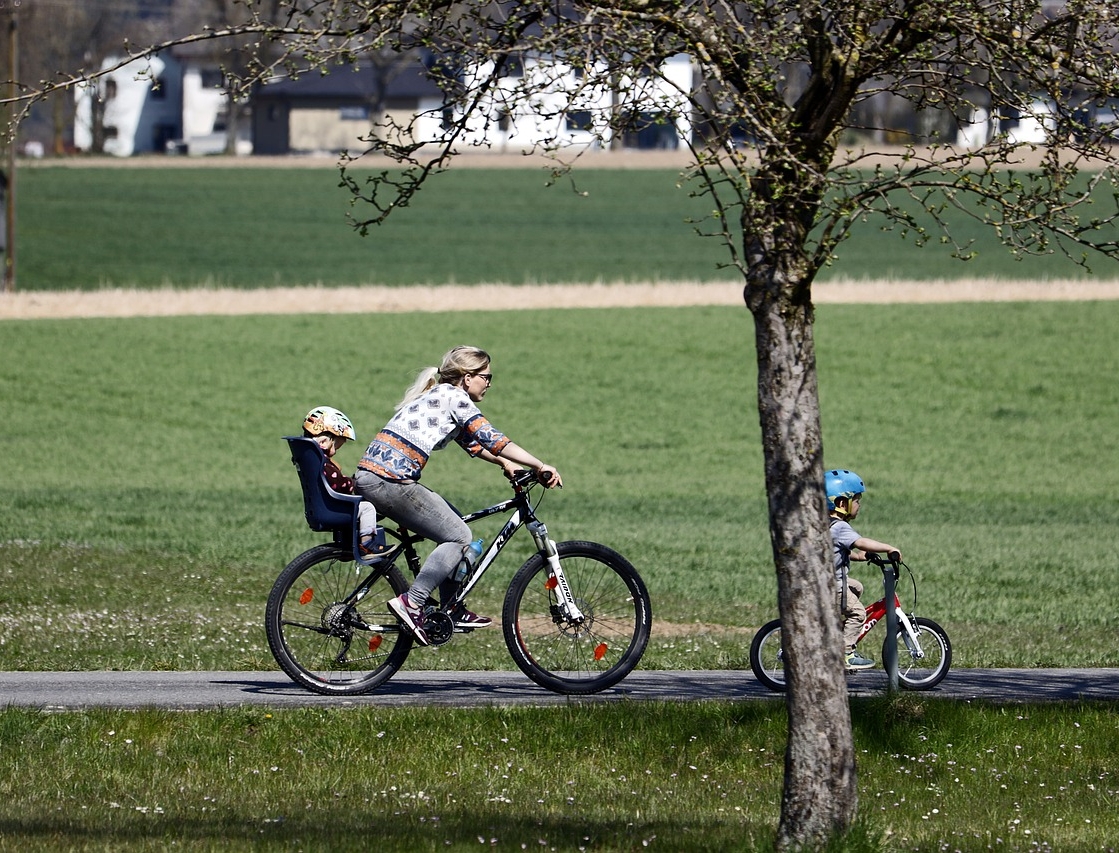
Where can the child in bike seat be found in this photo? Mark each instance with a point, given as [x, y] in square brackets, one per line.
[845, 491]
[330, 429]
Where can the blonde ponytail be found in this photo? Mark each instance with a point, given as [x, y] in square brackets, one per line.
[427, 379]
[456, 364]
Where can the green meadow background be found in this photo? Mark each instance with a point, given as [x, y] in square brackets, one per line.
[147, 503]
[87, 228]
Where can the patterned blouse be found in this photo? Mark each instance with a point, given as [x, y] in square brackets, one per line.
[429, 423]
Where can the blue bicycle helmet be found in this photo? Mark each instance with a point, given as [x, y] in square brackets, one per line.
[841, 483]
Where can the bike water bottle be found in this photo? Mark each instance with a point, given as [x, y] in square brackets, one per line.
[470, 555]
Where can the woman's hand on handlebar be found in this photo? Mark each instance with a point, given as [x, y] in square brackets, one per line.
[513, 455]
[509, 468]
[525, 478]
[549, 477]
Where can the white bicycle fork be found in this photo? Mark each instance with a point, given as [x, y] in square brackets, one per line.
[909, 636]
[568, 607]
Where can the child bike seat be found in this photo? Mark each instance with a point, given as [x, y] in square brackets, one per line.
[325, 509]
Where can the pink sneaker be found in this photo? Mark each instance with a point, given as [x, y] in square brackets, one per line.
[464, 618]
[410, 616]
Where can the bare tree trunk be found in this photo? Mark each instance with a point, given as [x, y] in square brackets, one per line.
[233, 114]
[820, 795]
[58, 123]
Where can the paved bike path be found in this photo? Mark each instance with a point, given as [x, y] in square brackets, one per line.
[204, 690]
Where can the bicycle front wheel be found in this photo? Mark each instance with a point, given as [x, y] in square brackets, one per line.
[924, 668]
[323, 635]
[767, 659]
[590, 655]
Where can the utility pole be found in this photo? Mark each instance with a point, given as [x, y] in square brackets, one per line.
[13, 142]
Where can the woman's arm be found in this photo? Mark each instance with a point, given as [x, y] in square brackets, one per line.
[548, 475]
[508, 465]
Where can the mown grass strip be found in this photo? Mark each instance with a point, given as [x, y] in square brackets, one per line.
[688, 777]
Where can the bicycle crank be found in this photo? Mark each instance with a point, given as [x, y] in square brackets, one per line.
[439, 627]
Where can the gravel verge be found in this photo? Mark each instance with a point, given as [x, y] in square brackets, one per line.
[34, 305]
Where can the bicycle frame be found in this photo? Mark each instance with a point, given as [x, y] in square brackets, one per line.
[522, 515]
[876, 612]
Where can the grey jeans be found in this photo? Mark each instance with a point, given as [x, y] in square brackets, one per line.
[422, 511]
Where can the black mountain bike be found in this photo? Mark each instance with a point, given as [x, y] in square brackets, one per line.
[575, 619]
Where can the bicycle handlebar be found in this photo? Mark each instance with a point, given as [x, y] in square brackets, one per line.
[526, 478]
[877, 559]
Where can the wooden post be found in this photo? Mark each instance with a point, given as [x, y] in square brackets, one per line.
[13, 143]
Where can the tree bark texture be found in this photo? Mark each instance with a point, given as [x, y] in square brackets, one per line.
[820, 795]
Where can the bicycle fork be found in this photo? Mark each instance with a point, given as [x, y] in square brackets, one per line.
[909, 636]
[556, 578]
[876, 612]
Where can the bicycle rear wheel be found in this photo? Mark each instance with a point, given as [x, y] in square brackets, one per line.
[767, 659]
[598, 652]
[324, 639]
[928, 670]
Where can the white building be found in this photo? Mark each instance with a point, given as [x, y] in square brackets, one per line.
[140, 104]
[156, 105]
[545, 101]
[177, 104]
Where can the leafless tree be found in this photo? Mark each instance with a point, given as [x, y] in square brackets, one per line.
[789, 78]
[781, 96]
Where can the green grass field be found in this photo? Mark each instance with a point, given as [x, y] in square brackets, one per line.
[146, 480]
[99, 227]
[147, 503]
[691, 777]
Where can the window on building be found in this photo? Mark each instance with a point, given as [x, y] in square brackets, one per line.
[514, 67]
[357, 112]
[578, 119]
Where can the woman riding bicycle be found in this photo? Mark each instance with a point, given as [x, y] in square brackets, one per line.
[440, 406]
